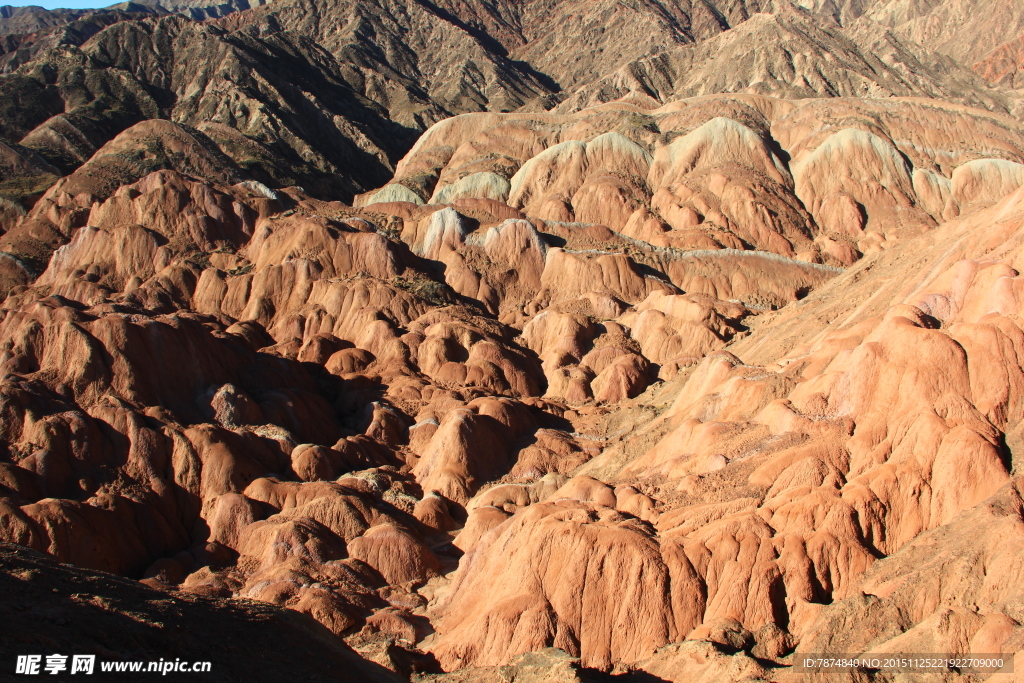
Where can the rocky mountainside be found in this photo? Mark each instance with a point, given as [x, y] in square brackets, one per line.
[513, 341]
[967, 30]
[812, 57]
[17, 20]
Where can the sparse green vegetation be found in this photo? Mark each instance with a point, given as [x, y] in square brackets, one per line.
[419, 285]
[15, 189]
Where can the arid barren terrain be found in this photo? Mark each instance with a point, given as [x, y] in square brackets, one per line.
[465, 340]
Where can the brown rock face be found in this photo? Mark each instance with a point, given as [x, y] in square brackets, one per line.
[579, 546]
[516, 341]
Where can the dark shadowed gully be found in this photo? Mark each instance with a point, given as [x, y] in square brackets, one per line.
[462, 341]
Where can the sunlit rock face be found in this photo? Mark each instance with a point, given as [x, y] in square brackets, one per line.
[672, 342]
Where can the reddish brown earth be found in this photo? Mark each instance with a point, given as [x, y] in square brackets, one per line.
[489, 364]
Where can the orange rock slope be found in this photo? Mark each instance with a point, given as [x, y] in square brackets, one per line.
[681, 389]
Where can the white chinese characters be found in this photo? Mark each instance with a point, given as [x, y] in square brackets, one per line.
[31, 665]
[83, 664]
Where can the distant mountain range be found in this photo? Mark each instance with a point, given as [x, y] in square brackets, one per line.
[461, 341]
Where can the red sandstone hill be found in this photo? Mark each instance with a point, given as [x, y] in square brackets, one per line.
[432, 344]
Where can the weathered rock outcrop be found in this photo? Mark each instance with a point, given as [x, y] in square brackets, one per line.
[835, 454]
[675, 361]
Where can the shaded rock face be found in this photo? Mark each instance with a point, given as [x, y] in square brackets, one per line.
[279, 107]
[120, 618]
[484, 361]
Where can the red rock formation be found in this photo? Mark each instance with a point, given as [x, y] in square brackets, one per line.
[1004, 64]
[841, 452]
[674, 385]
